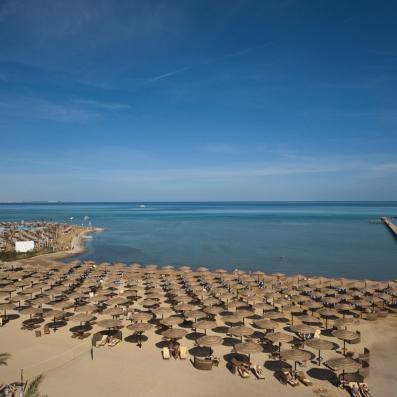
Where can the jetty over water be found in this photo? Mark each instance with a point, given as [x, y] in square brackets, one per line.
[390, 225]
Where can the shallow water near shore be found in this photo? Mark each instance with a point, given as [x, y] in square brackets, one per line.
[321, 238]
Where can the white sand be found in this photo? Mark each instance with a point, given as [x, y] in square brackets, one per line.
[127, 370]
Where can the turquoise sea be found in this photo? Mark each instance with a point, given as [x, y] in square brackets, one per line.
[314, 238]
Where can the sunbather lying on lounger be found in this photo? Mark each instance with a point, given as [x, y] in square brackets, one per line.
[364, 390]
[289, 378]
[243, 371]
[354, 390]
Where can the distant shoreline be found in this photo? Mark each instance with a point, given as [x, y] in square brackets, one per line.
[78, 246]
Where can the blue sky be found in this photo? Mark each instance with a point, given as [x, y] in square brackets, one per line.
[198, 100]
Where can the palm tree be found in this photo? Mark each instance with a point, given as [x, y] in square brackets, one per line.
[4, 357]
[33, 387]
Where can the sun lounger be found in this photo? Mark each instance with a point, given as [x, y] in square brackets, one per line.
[114, 342]
[243, 372]
[364, 389]
[102, 341]
[304, 379]
[183, 353]
[364, 356]
[257, 370]
[286, 373]
[166, 353]
[354, 389]
[215, 361]
[37, 333]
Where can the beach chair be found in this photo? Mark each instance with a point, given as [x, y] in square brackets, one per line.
[215, 361]
[286, 374]
[354, 389]
[364, 356]
[46, 330]
[183, 353]
[304, 379]
[243, 372]
[364, 389]
[102, 342]
[37, 333]
[257, 370]
[166, 353]
[355, 340]
[114, 342]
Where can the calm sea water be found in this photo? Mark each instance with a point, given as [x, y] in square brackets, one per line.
[335, 239]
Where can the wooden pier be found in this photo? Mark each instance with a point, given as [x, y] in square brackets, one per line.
[392, 227]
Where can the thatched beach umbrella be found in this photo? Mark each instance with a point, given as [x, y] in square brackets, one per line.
[242, 331]
[320, 344]
[266, 324]
[248, 348]
[295, 355]
[110, 323]
[114, 311]
[327, 313]
[140, 328]
[173, 320]
[141, 316]
[345, 335]
[6, 306]
[279, 337]
[174, 333]
[82, 318]
[209, 341]
[205, 324]
[302, 329]
[343, 364]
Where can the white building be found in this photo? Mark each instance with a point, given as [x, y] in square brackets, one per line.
[24, 246]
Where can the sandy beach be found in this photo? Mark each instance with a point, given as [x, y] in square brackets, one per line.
[128, 370]
[78, 246]
[70, 365]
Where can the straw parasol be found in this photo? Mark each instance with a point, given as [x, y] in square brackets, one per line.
[174, 333]
[140, 328]
[141, 316]
[279, 337]
[345, 335]
[109, 323]
[6, 306]
[114, 311]
[242, 331]
[173, 320]
[295, 355]
[248, 348]
[344, 364]
[82, 318]
[320, 344]
[209, 341]
[266, 324]
[302, 329]
[326, 312]
[205, 324]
